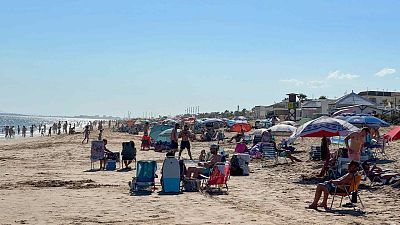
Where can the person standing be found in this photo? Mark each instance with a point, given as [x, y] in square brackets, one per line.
[7, 130]
[174, 138]
[49, 134]
[18, 129]
[86, 134]
[24, 131]
[325, 154]
[31, 131]
[59, 128]
[186, 135]
[146, 128]
[356, 144]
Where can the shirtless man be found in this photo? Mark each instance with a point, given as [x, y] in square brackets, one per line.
[174, 138]
[185, 143]
[357, 144]
[146, 128]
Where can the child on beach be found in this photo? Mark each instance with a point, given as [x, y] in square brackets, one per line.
[86, 134]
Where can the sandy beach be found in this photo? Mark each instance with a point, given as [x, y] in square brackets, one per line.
[47, 181]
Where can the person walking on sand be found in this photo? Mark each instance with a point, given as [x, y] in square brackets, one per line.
[18, 129]
[174, 138]
[86, 134]
[24, 131]
[49, 134]
[185, 134]
[357, 144]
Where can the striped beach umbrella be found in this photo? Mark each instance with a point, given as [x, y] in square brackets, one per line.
[324, 126]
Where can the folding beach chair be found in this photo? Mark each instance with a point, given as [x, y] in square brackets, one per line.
[218, 178]
[315, 153]
[349, 191]
[269, 153]
[128, 152]
[145, 176]
[171, 175]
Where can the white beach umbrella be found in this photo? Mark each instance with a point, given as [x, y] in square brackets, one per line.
[283, 128]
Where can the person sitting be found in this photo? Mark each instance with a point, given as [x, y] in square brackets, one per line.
[328, 164]
[238, 137]
[103, 161]
[204, 168]
[329, 187]
[202, 156]
[221, 136]
[378, 174]
[128, 157]
[241, 147]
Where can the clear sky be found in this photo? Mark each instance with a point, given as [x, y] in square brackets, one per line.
[108, 57]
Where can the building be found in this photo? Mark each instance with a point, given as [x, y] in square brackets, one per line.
[383, 99]
[315, 108]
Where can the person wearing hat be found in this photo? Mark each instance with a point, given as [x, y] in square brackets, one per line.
[329, 187]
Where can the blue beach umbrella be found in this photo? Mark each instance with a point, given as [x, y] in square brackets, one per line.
[366, 120]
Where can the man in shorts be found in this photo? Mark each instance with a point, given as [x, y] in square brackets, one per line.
[329, 187]
[185, 143]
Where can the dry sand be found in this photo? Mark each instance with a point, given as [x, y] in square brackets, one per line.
[46, 181]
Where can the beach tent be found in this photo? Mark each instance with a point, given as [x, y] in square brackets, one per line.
[283, 128]
[165, 136]
[323, 126]
[156, 130]
[393, 134]
[367, 120]
[238, 127]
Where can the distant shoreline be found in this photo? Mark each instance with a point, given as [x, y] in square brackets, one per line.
[75, 117]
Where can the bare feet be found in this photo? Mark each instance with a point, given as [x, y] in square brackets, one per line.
[313, 206]
[323, 205]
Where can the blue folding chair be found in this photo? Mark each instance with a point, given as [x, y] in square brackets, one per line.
[145, 176]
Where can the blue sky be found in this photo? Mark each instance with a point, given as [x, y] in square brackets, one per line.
[108, 57]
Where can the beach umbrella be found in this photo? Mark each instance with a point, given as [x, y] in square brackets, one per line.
[240, 118]
[283, 128]
[291, 123]
[238, 127]
[213, 121]
[324, 126]
[259, 132]
[367, 120]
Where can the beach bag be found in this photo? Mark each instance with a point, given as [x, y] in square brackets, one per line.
[191, 185]
[111, 165]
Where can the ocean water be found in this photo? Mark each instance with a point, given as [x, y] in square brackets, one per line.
[15, 120]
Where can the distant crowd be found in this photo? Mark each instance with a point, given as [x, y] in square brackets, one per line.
[62, 127]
